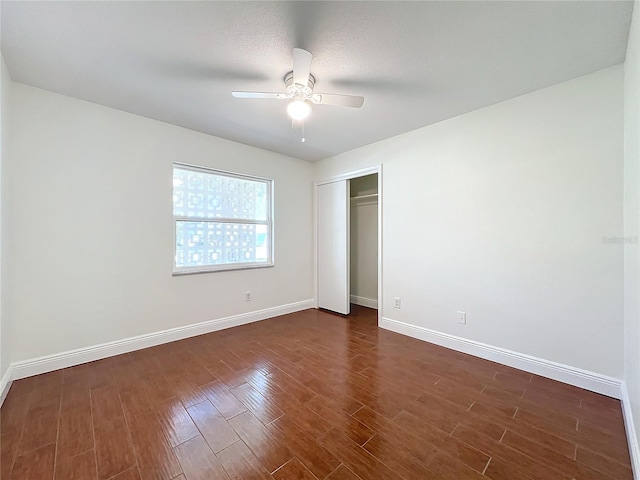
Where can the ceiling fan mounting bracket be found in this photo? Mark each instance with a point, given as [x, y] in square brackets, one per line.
[294, 88]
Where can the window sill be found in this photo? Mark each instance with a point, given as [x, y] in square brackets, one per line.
[195, 271]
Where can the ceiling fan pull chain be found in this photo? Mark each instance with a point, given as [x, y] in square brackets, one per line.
[299, 124]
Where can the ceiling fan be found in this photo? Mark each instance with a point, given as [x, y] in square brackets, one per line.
[299, 88]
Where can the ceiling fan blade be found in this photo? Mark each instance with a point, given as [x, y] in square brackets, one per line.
[353, 101]
[301, 66]
[275, 96]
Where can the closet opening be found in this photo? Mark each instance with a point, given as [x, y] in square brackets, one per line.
[363, 243]
[348, 242]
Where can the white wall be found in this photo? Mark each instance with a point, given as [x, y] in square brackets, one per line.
[631, 223]
[5, 352]
[364, 251]
[501, 213]
[92, 237]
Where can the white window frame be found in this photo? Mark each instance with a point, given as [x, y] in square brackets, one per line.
[242, 221]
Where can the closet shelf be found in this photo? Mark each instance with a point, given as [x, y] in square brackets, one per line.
[364, 197]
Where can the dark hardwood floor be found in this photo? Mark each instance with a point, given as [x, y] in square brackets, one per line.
[309, 395]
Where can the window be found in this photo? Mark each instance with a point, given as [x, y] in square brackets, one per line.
[223, 221]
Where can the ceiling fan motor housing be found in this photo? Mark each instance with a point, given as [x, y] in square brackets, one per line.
[299, 84]
[295, 90]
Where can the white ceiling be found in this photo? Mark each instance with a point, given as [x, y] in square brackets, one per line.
[416, 63]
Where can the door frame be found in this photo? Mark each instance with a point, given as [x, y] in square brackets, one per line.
[349, 176]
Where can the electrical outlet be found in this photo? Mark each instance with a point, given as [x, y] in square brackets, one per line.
[462, 318]
[396, 302]
[247, 296]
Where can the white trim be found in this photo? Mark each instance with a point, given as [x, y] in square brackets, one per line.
[364, 301]
[363, 172]
[315, 245]
[564, 373]
[630, 428]
[380, 249]
[5, 384]
[48, 363]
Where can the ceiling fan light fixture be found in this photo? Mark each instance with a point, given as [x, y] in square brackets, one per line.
[298, 109]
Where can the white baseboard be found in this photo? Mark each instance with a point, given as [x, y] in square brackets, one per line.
[48, 363]
[5, 384]
[632, 434]
[564, 373]
[364, 301]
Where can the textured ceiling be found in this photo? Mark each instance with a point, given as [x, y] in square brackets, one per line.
[416, 63]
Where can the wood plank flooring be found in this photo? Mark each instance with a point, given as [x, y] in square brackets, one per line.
[306, 396]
